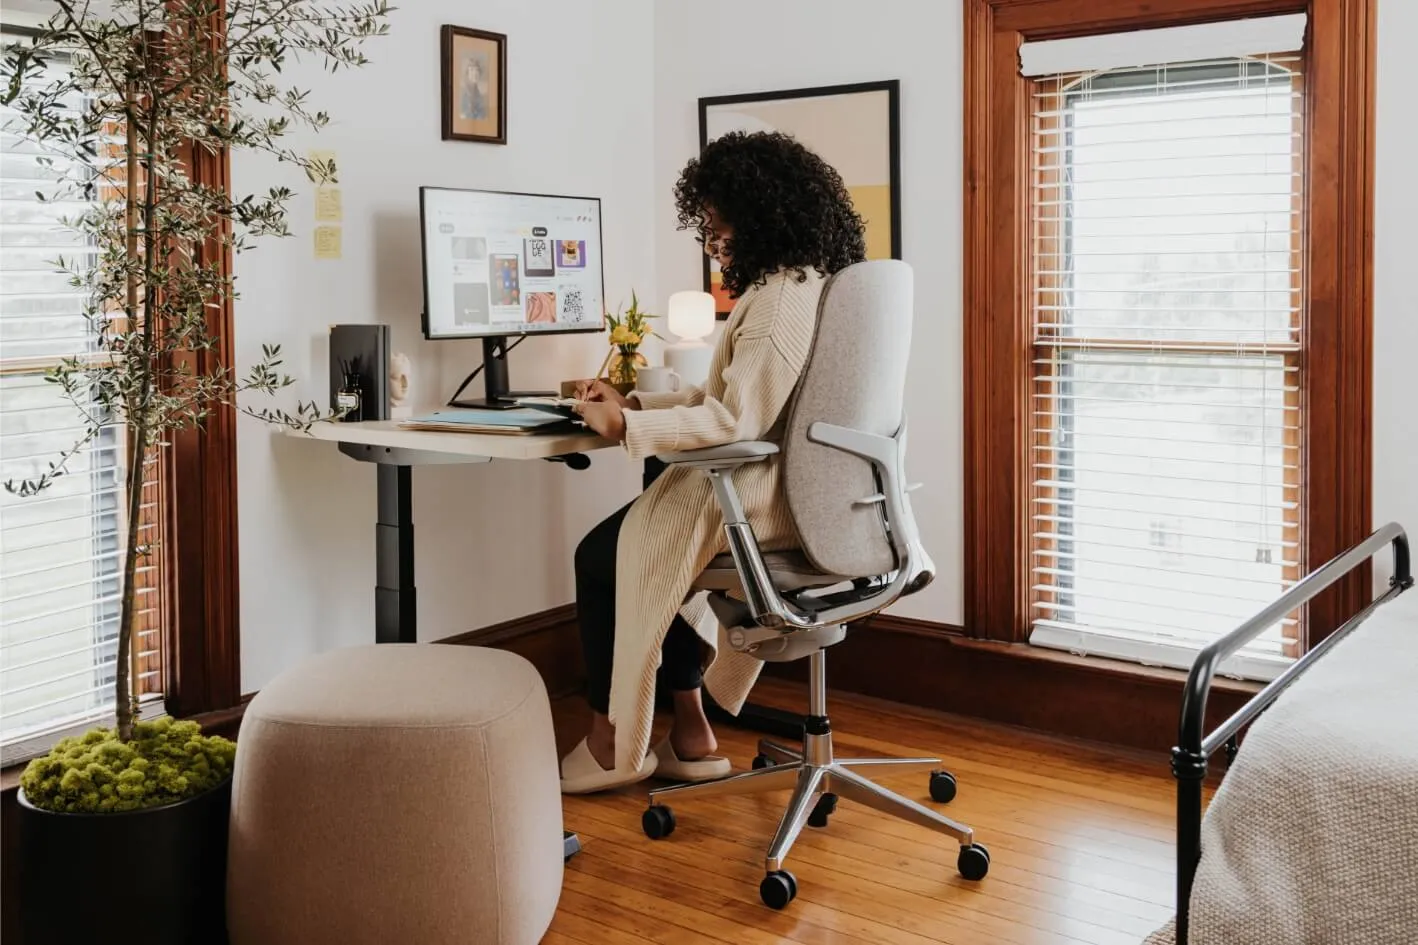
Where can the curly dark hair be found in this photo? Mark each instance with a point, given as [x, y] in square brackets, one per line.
[788, 207]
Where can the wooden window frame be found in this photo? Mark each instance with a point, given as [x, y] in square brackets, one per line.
[1337, 325]
[202, 593]
[203, 664]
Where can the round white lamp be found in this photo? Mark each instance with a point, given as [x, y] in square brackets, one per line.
[691, 318]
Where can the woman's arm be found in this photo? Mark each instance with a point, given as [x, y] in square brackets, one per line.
[690, 396]
[599, 391]
[768, 359]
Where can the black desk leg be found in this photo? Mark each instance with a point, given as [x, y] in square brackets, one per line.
[395, 598]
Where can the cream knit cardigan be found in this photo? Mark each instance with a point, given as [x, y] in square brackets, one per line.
[675, 528]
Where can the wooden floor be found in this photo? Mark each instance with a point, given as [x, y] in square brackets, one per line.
[1080, 838]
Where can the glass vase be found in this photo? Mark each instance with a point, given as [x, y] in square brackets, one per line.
[623, 369]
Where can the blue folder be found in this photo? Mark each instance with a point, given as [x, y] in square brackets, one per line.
[517, 420]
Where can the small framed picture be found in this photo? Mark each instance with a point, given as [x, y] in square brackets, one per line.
[474, 85]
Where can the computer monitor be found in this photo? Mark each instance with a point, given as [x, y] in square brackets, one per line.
[499, 265]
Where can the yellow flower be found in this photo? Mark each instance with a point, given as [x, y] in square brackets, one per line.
[624, 336]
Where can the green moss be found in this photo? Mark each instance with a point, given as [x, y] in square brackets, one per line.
[95, 773]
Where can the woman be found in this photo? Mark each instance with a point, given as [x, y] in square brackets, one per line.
[778, 220]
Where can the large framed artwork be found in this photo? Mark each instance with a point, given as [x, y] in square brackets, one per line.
[855, 128]
[474, 93]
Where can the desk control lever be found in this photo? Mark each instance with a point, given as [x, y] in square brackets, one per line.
[572, 460]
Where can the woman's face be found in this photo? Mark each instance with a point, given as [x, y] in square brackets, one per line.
[718, 237]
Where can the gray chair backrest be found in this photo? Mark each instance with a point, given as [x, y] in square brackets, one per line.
[856, 378]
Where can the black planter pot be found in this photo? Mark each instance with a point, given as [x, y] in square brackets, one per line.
[147, 877]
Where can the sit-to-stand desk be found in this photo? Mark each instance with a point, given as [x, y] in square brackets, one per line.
[395, 451]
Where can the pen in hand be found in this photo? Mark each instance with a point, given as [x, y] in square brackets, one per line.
[585, 394]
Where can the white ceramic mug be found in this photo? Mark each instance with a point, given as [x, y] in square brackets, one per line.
[656, 380]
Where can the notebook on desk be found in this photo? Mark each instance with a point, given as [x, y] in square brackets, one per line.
[524, 420]
[564, 407]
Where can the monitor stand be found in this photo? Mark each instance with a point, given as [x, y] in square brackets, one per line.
[494, 371]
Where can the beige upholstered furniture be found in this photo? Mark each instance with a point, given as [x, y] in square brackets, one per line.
[397, 794]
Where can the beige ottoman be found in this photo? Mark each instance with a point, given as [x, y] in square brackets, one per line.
[397, 794]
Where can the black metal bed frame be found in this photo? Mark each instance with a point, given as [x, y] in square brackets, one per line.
[1194, 747]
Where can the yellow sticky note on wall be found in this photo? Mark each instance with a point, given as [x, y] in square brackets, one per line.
[327, 242]
[329, 207]
[324, 158]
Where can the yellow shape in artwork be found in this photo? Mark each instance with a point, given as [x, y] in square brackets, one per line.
[873, 203]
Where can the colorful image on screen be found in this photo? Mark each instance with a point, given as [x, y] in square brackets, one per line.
[571, 254]
[502, 264]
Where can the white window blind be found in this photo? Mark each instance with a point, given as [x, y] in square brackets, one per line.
[60, 551]
[1166, 350]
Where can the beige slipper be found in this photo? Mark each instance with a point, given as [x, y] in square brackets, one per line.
[671, 768]
[581, 773]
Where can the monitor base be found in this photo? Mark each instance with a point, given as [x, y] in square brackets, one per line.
[506, 402]
[494, 371]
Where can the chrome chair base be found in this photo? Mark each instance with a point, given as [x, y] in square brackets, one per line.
[817, 779]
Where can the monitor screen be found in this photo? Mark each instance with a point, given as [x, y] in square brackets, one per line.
[510, 264]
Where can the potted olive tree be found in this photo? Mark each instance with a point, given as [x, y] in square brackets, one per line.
[123, 830]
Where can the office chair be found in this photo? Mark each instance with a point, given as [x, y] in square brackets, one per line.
[843, 448]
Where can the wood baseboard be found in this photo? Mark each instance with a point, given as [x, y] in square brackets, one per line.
[924, 664]
[936, 666]
[224, 722]
[549, 640]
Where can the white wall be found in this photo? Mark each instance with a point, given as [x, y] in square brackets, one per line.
[798, 43]
[1395, 292]
[493, 541]
[591, 84]
[802, 43]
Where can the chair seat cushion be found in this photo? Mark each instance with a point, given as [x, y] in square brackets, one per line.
[790, 570]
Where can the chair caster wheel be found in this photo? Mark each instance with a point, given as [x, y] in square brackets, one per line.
[974, 862]
[778, 889]
[826, 804]
[762, 761]
[658, 822]
[942, 787]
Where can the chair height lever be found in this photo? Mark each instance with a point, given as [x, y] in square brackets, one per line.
[878, 498]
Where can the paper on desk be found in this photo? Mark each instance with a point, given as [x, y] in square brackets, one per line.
[564, 407]
[525, 420]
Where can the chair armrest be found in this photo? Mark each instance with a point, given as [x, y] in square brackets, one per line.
[722, 457]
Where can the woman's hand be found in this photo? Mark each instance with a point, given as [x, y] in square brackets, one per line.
[605, 417]
[598, 392]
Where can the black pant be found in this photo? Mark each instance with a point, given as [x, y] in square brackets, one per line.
[680, 664]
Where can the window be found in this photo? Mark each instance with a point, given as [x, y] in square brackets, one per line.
[61, 552]
[1167, 356]
[1167, 321]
